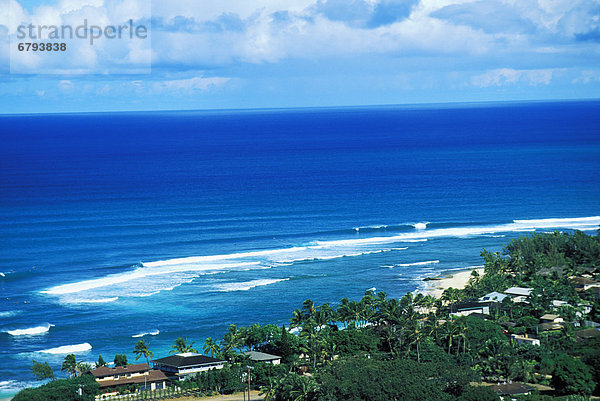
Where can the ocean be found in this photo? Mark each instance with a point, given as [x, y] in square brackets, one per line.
[116, 227]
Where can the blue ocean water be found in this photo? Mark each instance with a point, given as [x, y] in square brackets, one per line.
[180, 223]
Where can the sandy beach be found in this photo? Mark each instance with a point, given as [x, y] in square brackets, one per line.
[436, 286]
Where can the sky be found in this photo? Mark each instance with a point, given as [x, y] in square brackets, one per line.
[239, 54]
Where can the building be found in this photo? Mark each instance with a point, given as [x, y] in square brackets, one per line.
[179, 366]
[493, 297]
[584, 284]
[524, 339]
[550, 318]
[470, 307]
[549, 326]
[140, 375]
[518, 294]
[263, 357]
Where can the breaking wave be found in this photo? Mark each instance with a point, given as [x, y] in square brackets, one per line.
[32, 331]
[151, 278]
[245, 286]
[150, 333]
[68, 349]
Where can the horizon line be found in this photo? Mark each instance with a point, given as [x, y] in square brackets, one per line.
[424, 105]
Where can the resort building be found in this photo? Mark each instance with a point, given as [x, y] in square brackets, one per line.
[524, 339]
[179, 366]
[120, 376]
[518, 294]
[263, 357]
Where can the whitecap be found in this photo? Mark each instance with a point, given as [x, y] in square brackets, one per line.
[420, 226]
[245, 286]
[31, 331]
[427, 262]
[68, 349]
[150, 333]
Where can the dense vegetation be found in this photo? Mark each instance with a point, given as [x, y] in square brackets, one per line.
[413, 348]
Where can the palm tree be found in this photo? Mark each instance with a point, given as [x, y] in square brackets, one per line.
[141, 349]
[297, 319]
[69, 365]
[181, 346]
[211, 347]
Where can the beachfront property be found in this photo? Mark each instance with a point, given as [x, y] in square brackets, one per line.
[263, 357]
[140, 375]
[518, 294]
[179, 366]
[493, 296]
[524, 339]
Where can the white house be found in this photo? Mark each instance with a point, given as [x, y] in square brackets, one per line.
[524, 339]
[518, 294]
[263, 357]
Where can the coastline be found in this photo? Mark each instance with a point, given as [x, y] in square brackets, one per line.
[435, 286]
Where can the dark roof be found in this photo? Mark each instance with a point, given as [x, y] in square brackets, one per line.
[511, 388]
[184, 360]
[151, 377]
[261, 356]
[104, 371]
[470, 305]
[587, 333]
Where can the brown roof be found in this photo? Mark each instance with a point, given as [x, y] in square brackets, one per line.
[104, 371]
[549, 326]
[511, 388]
[582, 281]
[152, 376]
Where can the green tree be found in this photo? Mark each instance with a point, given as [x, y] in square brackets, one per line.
[42, 371]
[120, 360]
[211, 347]
[141, 350]
[69, 365]
[101, 361]
[571, 376]
[479, 393]
[182, 346]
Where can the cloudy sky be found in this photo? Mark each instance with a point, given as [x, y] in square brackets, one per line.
[206, 54]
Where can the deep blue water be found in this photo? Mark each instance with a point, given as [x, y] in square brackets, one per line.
[96, 209]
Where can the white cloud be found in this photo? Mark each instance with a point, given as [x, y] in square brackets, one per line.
[508, 76]
[189, 85]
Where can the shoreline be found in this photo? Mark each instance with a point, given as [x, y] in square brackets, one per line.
[435, 286]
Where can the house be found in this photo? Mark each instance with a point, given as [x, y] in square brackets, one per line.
[524, 339]
[549, 318]
[549, 326]
[263, 357]
[558, 304]
[179, 366]
[518, 294]
[584, 284]
[511, 389]
[140, 374]
[469, 307]
[493, 297]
